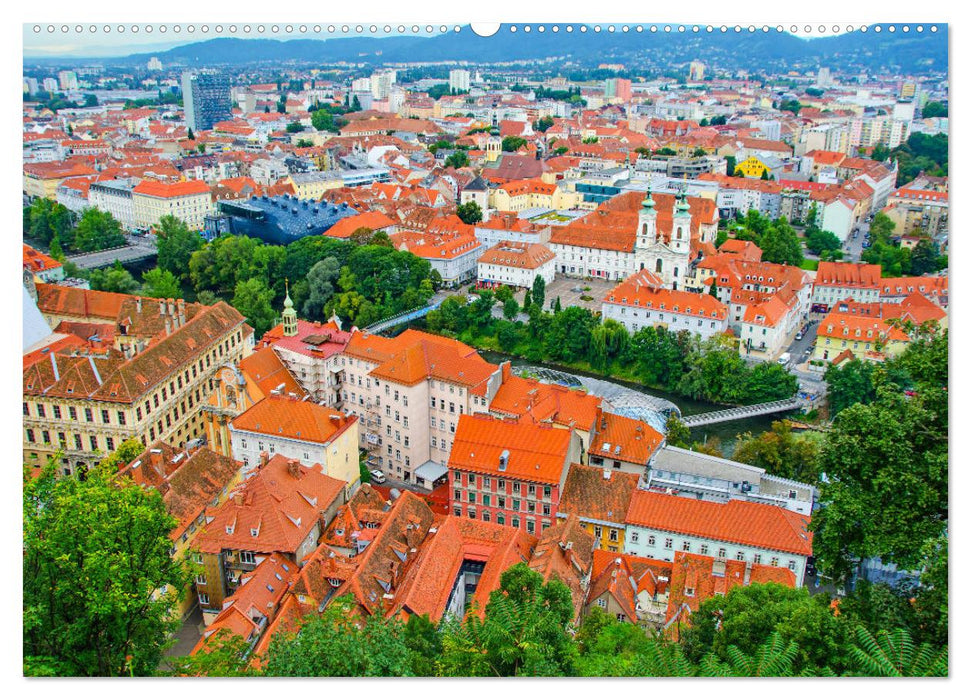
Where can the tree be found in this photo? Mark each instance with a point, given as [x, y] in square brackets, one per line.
[570, 334]
[933, 109]
[470, 212]
[223, 656]
[97, 230]
[160, 284]
[114, 279]
[458, 159]
[924, 258]
[543, 124]
[96, 552]
[339, 642]
[747, 616]
[321, 281]
[295, 127]
[511, 144]
[894, 654]
[424, 643]
[781, 452]
[538, 291]
[676, 432]
[253, 299]
[819, 241]
[524, 631]
[46, 219]
[888, 457]
[190, 135]
[176, 244]
[510, 309]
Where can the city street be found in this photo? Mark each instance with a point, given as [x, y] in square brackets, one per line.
[853, 247]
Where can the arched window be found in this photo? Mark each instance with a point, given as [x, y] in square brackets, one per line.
[644, 229]
[679, 233]
[675, 273]
[657, 268]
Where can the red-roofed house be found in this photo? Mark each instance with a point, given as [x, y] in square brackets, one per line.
[641, 301]
[298, 429]
[42, 266]
[516, 264]
[280, 509]
[189, 201]
[659, 525]
[509, 472]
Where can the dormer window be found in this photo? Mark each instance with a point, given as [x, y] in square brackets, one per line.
[229, 529]
[254, 532]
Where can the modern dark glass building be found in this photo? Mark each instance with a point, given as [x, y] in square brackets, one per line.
[206, 99]
[277, 220]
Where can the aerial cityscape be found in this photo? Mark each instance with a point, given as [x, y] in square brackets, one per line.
[574, 350]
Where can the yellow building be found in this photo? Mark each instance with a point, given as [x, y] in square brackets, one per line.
[751, 167]
[118, 367]
[865, 337]
[313, 185]
[239, 387]
[189, 201]
[520, 195]
[599, 497]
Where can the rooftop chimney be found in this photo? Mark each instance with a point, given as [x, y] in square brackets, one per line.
[168, 326]
[264, 458]
[138, 304]
[161, 307]
[181, 308]
[293, 468]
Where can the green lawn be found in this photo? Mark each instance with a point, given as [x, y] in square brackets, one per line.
[810, 265]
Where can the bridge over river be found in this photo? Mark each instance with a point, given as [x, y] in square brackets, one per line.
[738, 412]
[138, 248]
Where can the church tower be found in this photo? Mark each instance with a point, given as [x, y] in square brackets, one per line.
[681, 225]
[289, 315]
[646, 223]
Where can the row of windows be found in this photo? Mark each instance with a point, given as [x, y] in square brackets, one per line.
[47, 438]
[705, 549]
[488, 499]
[500, 518]
[58, 412]
[486, 483]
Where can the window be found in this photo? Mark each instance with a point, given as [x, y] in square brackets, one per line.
[668, 543]
[57, 412]
[105, 417]
[121, 417]
[94, 442]
[621, 617]
[740, 555]
[110, 442]
[515, 521]
[612, 535]
[203, 599]
[757, 559]
[689, 592]
[634, 536]
[651, 540]
[704, 549]
[597, 531]
[72, 413]
[602, 602]
[722, 553]
[792, 565]
[201, 579]
[247, 558]
[40, 410]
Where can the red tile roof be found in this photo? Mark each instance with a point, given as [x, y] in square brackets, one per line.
[752, 524]
[535, 452]
[292, 418]
[281, 503]
[167, 190]
[841, 274]
[527, 256]
[588, 494]
[643, 291]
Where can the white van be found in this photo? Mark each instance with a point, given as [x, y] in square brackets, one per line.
[784, 359]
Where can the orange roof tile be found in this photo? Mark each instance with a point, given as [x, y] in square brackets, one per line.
[618, 437]
[293, 418]
[753, 524]
[588, 494]
[534, 452]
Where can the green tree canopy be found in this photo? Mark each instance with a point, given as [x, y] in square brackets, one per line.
[96, 553]
[176, 244]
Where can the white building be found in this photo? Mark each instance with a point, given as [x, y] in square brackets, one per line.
[116, 198]
[301, 430]
[458, 80]
[516, 264]
[838, 281]
[642, 301]
[660, 524]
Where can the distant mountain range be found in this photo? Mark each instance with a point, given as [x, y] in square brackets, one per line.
[773, 51]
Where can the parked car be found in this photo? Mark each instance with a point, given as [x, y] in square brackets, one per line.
[377, 476]
[799, 335]
[784, 359]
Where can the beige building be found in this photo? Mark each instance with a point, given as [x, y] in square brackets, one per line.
[313, 185]
[189, 201]
[119, 366]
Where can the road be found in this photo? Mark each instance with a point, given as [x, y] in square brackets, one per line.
[138, 247]
[853, 247]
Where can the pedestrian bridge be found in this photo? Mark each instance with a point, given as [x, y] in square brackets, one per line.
[401, 318]
[739, 412]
